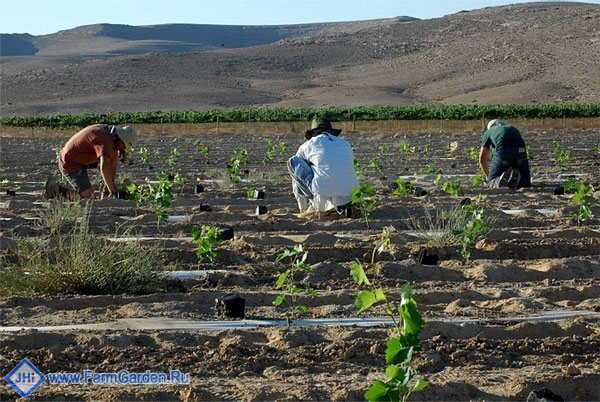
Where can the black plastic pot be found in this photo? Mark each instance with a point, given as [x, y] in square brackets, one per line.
[419, 192]
[230, 306]
[345, 210]
[559, 190]
[544, 395]
[123, 195]
[427, 259]
[205, 208]
[258, 195]
[225, 233]
[199, 189]
[12, 193]
[261, 210]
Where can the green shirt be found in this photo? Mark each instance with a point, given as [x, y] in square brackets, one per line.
[499, 137]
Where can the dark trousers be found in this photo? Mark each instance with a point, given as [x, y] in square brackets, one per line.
[511, 157]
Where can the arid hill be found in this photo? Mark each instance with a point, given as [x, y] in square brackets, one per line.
[538, 52]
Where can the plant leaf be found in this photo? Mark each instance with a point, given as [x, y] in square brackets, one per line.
[411, 318]
[368, 298]
[420, 385]
[281, 279]
[395, 372]
[279, 300]
[377, 391]
[398, 351]
[358, 274]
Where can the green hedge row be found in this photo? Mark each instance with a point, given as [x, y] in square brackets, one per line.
[267, 114]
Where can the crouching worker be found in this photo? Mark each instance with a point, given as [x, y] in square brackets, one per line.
[322, 170]
[98, 146]
[509, 166]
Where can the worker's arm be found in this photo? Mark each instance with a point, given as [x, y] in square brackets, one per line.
[484, 160]
[108, 169]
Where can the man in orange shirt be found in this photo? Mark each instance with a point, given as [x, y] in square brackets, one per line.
[100, 145]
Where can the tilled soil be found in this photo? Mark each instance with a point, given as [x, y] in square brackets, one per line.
[534, 262]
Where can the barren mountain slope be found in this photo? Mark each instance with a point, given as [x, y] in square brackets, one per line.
[527, 53]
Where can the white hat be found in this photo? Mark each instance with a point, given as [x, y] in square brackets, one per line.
[494, 123]
[126, 134]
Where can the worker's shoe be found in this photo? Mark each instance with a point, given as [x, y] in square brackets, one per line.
[51, 189]
[510, 178]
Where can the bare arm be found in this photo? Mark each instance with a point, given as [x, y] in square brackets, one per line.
[108, 169]
[484, 160]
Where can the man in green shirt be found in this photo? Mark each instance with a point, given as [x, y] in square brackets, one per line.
[503, 145]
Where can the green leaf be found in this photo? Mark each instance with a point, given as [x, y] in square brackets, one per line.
[279, 300]
[413, 323]
[398, 350]
[358, 274]
[368, 298]
[420, 385]
[281, 279]
[301, 309]
[395, 372]
[377, 391]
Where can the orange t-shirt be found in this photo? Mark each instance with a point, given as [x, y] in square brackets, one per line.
[86, 147]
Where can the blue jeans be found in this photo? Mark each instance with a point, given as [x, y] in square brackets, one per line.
[302, 177]
[511, 157]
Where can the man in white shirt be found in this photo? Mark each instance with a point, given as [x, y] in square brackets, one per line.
[322, 170]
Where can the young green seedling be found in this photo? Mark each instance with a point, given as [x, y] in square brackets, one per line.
[473, 154]
[403, 188]
[203, 150]
[206, 240]
[583, 199]
[448, 186]
[159, 196]
[402, 379]
[377, 165]
[478, 180]
[475, 227]
[561, 155]
[238, 160]
[364, 199]
[289, 281]
[427, 170]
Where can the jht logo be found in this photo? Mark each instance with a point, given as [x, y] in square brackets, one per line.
[25, 378]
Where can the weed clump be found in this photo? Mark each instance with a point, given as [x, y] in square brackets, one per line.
[80, 263]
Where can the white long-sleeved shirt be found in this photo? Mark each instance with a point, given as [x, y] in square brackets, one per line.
[332, 161]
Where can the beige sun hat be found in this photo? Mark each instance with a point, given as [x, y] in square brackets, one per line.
[495, 122]
[127, 134]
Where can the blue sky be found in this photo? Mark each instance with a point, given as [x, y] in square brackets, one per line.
[47, 16]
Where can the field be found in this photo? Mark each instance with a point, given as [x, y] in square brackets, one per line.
[520, 314]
